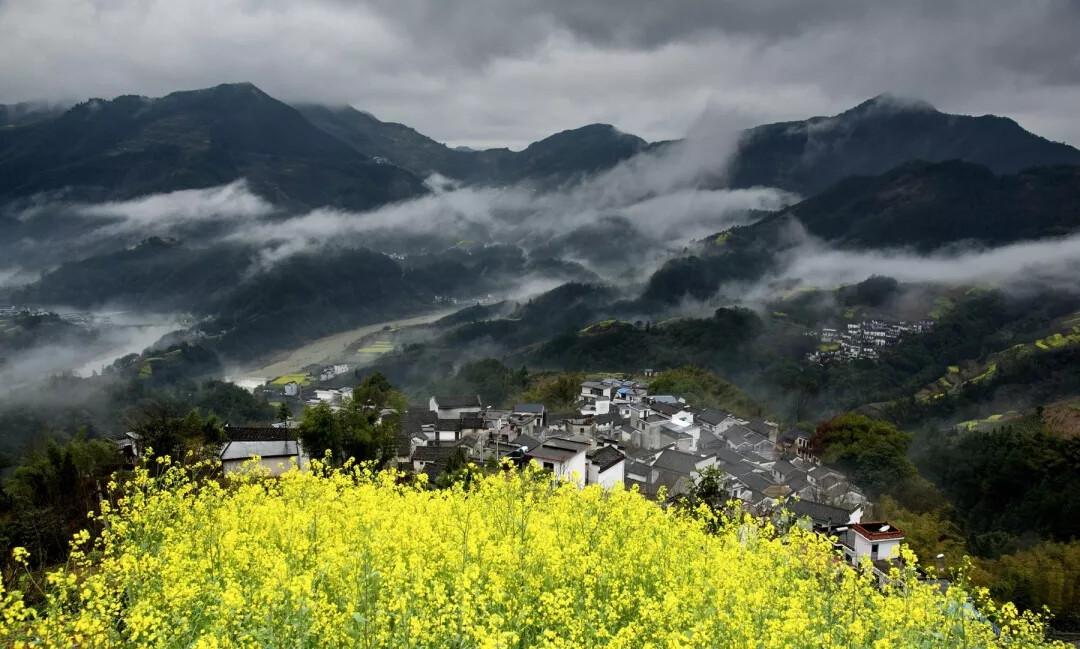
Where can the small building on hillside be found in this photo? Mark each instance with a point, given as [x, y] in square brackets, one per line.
[277, 449]
[565, 458]
[879, 541]
[606, 467]
[454, 406]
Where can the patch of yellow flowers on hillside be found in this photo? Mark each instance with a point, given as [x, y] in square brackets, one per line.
[352, 558]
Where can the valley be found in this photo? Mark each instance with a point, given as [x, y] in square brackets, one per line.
[355, 347]
[867, 309]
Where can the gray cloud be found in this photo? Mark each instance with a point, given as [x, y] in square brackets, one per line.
[1030, 265]
[159, 212]
[492, 72]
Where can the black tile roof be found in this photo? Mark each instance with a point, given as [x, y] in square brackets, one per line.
[258, 434]
[712, 416]
[451, 401]
[606, 457]
[677, 461]
[431, 453]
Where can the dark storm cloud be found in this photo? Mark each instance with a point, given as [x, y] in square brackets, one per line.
[490, 72]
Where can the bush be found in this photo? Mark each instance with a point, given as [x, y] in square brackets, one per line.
[351, 558]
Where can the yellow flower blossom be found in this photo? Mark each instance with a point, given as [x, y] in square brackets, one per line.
[339, 558]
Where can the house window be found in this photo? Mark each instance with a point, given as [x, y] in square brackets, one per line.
[550, 466]
[873, 551]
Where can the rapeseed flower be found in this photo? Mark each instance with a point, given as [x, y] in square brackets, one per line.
[352, 557]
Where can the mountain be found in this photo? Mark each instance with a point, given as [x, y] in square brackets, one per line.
[879, 134]
[921, 205]
[130, 146]
[24, 113]
[556, 159]
[928, 205]
[399, 144]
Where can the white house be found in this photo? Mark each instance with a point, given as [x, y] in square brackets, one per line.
[275, 456]
[594, 390]
[277, 449]
[329, 395]
[565, 458]
[880, 541]
[292, 389]
[453, 406]
[607, 467]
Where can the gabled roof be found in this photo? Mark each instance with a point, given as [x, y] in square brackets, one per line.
[612, 417]
[474, 423]
[784, 468]
[258, 434]
[535, 408]
[528, 442]
[416, 418]
[453, 401]
[761, 427]
[789, 436]
[820, 514]
[797, 481]
[755, 481]
[712, 416]
[668, 408]
[241, 450]
[728, 457]
[433, 453]
[606, 457]
[452, 425]
[557, 449]
[678, 461]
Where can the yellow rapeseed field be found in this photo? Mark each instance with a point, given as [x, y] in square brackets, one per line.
[349, 558]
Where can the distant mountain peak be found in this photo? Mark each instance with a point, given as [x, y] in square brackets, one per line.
[888, 102]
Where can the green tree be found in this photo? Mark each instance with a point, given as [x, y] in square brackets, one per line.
[703, 388]
[45, 499]
[283, 412]
[320, 431]
[873, 452]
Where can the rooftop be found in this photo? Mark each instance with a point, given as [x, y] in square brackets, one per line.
[678, 461]
[878, 531]
[712, 416]
[535, 408]
[558, 449]
[606, 457]
[243, 450]
[457, 401]
[258, 434]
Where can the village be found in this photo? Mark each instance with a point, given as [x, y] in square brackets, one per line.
[862, 340]
[621, 435]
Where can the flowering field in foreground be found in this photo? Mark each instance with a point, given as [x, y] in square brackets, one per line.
[352, 559]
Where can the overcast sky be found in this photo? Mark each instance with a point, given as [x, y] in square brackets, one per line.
[506, 72]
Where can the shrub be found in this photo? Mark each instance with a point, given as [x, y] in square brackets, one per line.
[353, 558]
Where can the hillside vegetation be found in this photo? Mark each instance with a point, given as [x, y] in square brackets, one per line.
[351, 558]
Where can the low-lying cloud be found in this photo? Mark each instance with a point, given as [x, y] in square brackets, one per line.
[1031, 265]
[162, 211]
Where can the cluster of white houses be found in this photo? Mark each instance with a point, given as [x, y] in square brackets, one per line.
[862, 339]
[620, 434]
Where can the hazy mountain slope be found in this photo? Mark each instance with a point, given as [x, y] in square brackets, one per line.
[400, 144]
[920, 205]
[563, 156]
[28, 112]
[928, 205]
[879, 134]
[131, 146]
